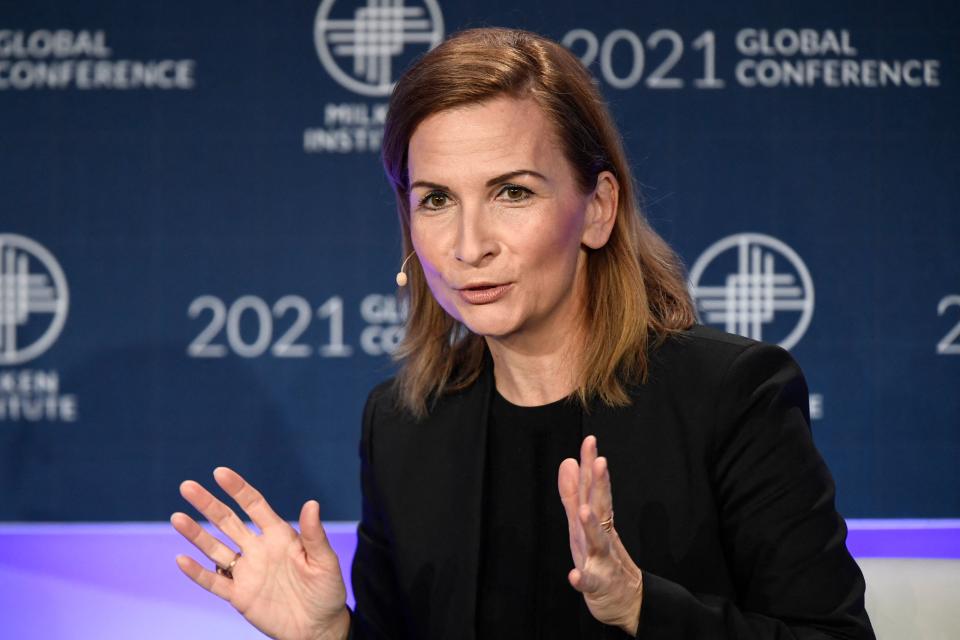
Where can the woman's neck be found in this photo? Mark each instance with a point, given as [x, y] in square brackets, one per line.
[532, 375]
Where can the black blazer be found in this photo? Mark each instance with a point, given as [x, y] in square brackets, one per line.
[721, 499]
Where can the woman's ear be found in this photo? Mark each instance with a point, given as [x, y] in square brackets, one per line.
[601, 211]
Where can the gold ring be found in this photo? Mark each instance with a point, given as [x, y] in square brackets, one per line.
[227, 571]
[607, 525]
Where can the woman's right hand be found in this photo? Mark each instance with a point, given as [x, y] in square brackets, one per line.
[287, 585]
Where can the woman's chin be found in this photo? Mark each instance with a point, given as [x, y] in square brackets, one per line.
[490, 327]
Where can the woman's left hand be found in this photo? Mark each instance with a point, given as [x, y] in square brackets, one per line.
[604, 573]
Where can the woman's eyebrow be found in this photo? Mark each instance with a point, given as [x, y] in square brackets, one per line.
[491, 182]
[429, 185]
[513, 174]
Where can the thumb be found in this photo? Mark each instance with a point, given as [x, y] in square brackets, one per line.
[314, 538]
[583, 582]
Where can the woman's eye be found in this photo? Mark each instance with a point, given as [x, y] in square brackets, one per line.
[513, 193]
[435, 200]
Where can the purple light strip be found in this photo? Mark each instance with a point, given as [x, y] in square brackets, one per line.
[904, 523]
[904, 538]
[879, 538]
[117, 556]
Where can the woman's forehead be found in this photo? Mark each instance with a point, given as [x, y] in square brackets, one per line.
[492, 137]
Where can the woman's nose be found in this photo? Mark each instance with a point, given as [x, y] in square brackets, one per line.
[474, 242]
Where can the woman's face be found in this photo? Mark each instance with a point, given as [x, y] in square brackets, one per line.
[498, 221]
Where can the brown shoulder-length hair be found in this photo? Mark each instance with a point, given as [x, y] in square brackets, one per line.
[635, 285]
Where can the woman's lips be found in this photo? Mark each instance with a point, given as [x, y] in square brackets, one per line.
[484, 295]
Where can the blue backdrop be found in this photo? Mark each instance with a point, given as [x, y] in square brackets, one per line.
[197, 245]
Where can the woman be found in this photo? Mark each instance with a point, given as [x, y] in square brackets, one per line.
[547, 319]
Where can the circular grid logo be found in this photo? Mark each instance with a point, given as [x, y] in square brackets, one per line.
[756, 286]
[33, 299]
[369, 40]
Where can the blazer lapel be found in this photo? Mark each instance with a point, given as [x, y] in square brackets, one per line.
[473, 452]
[454, 443]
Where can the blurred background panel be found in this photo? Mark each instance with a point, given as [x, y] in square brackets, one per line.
[197, 244]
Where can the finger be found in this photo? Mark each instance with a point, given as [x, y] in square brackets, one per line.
[216, 584]
[567, 484]
[568, 479]
[222, 516]
[314, 538]
[588, 452]
[220, 553]
[583, 581]
[250, 500]
[601, 495]
[598, 544]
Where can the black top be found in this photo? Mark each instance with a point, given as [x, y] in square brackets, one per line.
[525, 545]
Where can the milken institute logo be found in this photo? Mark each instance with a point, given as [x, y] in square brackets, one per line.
[754, 285]
[33, 299]
[368, 42]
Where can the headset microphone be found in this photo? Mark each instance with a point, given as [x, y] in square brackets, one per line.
[401, 276]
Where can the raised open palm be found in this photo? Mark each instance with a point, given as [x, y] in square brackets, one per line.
[611, 584]
[287, 585]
